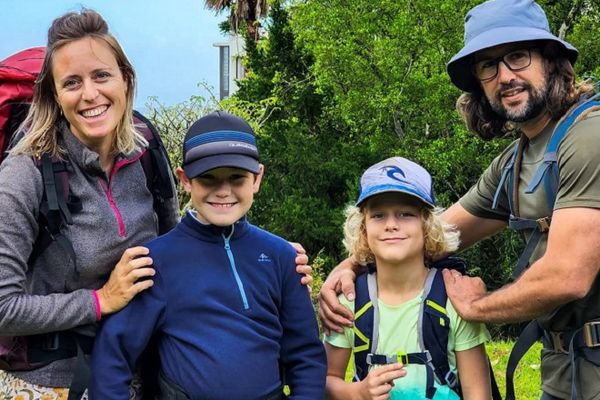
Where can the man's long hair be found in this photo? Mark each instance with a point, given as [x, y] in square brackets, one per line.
[562, 93]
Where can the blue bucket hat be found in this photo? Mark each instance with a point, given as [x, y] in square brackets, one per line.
[497, 22]
[397, 174]
[217, 140]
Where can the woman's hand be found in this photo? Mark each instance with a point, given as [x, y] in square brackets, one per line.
[379, 382]
[302, 266]
[332, 313]
[126, 280]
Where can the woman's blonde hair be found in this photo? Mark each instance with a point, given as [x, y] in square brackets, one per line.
[440, 237]
[41, 123]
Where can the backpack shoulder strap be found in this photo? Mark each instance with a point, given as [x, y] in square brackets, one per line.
[366, 319]
[56, 208]
[434, 327]
[156, 165]
[506, 177]
[548, 170]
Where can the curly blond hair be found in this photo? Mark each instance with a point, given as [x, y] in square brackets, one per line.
[440, 237]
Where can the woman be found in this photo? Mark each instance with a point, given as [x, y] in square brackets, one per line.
[81, 113]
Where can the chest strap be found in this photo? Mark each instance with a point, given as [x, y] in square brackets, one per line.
[422, 358]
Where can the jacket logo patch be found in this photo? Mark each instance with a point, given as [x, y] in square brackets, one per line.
[264, 258]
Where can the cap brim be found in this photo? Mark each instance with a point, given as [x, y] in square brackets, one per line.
[406, 190]
[205, 164]
[459, 67]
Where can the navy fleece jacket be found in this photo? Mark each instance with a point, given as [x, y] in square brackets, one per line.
[229, 310]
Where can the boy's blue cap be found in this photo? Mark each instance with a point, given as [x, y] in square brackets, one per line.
[497, 22]
[397, 174]
[217, 140]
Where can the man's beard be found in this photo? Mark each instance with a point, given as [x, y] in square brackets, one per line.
[536, 102]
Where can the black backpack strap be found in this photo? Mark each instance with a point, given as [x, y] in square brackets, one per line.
[437, 293]
[530, 334]
[56, 209]
[434, 330]
[364, 323]
[156, 165]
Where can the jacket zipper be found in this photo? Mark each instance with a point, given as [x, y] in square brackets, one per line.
[234, 269]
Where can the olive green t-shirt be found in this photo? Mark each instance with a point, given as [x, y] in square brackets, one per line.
[579, 186]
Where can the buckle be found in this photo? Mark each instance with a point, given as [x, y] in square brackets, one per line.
[558, 342]
[451, 379]
[50, 341]
[543, 224]
[402, 358]
[369, 356]
[591, 334]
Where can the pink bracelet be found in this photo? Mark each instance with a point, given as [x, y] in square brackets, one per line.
[98, 310]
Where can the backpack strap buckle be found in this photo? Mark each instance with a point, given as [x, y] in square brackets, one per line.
[591, 334]
[543, 224]
[50, 341]
[558, 340]
[402, 358]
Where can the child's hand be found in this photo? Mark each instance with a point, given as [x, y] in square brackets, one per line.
[379, 382]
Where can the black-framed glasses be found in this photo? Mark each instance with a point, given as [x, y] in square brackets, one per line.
[516, 60]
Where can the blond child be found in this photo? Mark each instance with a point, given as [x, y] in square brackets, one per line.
[395, 230]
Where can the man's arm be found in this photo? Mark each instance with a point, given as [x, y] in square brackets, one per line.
[563, 274]
[472, 229]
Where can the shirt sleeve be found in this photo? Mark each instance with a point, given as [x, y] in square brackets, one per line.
[343, 340]
[466, 334]
[121, 340]
[302, 353]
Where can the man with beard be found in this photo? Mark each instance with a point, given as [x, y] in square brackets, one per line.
[518, 76]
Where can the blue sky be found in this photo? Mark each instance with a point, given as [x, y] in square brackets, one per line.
[169, 42]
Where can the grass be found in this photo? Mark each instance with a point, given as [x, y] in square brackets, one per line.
[527, 376]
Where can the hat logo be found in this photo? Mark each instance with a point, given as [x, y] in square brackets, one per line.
[392, 171]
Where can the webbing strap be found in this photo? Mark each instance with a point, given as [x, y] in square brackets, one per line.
[531, 334]
[372, 285]
[81, 377]
[422, 358]
[506, 173]
[532, 243]
[56, 211]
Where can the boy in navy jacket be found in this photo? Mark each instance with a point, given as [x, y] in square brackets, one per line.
[231, 317]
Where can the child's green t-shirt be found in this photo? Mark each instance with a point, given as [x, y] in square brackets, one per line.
[398, 333]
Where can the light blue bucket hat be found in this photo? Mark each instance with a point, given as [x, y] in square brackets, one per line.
[497, 22]
[397, 174]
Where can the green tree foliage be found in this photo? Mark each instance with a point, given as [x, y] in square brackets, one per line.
[312, 162]
[383, 65]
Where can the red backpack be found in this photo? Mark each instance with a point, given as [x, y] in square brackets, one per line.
[17, 78]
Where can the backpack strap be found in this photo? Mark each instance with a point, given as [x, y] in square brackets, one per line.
[530, 334]
[364, 322]
[56, 209]
[156, 166]
[506, 177]
[434, 329]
